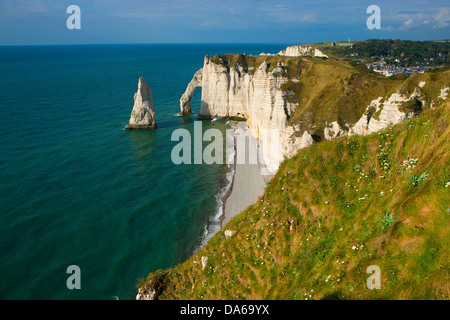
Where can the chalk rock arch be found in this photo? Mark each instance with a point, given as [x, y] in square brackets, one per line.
[185, 101]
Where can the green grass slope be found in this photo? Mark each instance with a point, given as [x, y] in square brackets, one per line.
[330, 212]
[334, 90]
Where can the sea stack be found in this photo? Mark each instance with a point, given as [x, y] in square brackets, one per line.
[143, 113]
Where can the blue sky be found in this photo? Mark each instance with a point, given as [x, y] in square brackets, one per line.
[25, 22]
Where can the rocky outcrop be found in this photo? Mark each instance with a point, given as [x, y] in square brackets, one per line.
[444, 93]
[185, 101]
[146, 296]
[318, 53]
[204, 262]
[381, 114]
[143, 114]
[228, 234]
[333, 131]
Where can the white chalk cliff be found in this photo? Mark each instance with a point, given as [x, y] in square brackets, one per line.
[143, 114]
[301, 50]
[255, 96]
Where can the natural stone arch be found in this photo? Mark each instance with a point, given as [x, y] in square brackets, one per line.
[185, 101]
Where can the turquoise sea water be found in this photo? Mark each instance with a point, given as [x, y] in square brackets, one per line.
[77, 189]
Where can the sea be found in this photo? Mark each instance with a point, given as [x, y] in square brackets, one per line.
[76, 189]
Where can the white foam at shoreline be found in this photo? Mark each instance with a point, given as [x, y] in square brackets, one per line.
[214, 225]
[246, 181]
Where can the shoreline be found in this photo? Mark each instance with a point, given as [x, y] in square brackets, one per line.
[215, 224]
[230, 188]
[247, 184]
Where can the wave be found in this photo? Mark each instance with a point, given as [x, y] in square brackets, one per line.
[185, 115]
[215, 222]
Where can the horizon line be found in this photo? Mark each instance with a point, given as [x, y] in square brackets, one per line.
[200, 43]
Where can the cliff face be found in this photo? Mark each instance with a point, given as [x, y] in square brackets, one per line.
[257, 88]
[389, 113]
[392, 110]
[143, 113]
[255, 95]
[301, 50]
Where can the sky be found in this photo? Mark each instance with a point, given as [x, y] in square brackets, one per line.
[43, 22]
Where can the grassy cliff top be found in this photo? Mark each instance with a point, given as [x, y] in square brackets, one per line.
[330, 212]
[293, 65]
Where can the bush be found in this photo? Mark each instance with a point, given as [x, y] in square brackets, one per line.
[387, 221]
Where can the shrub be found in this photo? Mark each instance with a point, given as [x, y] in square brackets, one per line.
[387, 221]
